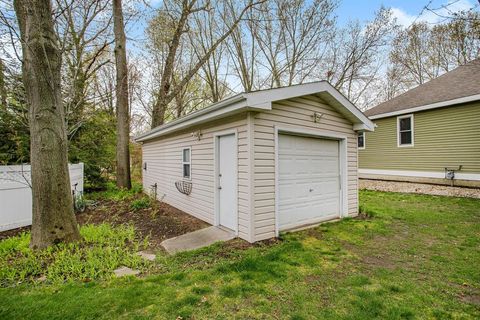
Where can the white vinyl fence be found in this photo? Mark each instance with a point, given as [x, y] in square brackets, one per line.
[16, 194]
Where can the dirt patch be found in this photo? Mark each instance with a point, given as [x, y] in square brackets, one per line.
[383, 261]
[409, 187]
[238, 244]
[472, 299]
[159, 221]
[13, 232]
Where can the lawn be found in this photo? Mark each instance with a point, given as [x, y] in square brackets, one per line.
[411, 256]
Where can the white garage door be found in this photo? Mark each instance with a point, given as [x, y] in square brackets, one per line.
[309, 180]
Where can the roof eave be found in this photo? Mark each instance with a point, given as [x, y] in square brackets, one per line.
[206, 114]
[430, 106]
[261, 101]
[360, 121]
[324, 89]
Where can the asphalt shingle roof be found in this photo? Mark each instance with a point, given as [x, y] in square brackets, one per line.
[461, 82]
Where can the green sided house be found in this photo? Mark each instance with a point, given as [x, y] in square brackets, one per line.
[429, 134]
[262, 162]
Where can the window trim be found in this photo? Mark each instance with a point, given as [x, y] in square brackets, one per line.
[364, 140]
[189, 178]
[412, 129]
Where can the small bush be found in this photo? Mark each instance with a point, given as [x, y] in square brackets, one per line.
[141, 203]
[116, 194]
[103, 249]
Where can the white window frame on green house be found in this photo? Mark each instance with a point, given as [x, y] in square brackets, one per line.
[189, 163]
[412, 131]
[364, 141]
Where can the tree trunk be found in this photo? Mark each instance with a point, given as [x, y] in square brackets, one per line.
[123, 121]
[167, 91]
[53, 217]
[159, 109]
[3, 90]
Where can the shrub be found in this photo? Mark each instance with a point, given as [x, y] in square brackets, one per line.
[116, 194]
[103, 249]
[141, 203]
[94, 145]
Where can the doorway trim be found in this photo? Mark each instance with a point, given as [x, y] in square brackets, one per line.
[216, 192]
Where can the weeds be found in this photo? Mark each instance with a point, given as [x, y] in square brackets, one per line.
[117, 194]
[103, 249]
[142, 203]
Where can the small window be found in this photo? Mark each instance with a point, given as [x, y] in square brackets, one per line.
[405, 131]
[186, 163]
[361, 140]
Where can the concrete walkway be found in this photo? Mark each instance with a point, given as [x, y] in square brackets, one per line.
[197, 239]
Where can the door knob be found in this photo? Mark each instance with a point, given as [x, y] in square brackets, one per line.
[219, 188]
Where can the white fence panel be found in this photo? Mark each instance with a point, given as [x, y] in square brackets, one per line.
[16, 194]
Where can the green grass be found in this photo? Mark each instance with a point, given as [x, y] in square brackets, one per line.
[416, 257]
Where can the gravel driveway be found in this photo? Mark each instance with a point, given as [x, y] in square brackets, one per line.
[409, 187]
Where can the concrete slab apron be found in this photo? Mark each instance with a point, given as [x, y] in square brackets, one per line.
[197, 239]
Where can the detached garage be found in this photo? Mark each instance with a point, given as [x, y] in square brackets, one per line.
[262, 162]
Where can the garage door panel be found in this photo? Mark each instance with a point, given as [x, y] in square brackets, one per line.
[309, 180]
[293, 191]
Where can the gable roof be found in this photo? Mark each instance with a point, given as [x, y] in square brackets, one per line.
[457, 86]
[262, 101]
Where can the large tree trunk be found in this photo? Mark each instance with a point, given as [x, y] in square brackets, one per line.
[159, 109]
[123, 122]
[53, 217]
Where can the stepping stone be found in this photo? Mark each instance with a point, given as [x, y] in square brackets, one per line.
[146, 255]
[197, 239]
[125, 271]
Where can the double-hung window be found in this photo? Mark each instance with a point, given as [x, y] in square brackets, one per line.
[186, 163]
[405, 131]
[361, 140]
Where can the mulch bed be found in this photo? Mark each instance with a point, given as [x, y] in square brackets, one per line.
[13, 232]
[159, 222]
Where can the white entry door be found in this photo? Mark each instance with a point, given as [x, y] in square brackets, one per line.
[309, 180]
[227, 159]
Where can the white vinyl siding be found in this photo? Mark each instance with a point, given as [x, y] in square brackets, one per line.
[164, 166]
[296, 112]
[256, 162]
